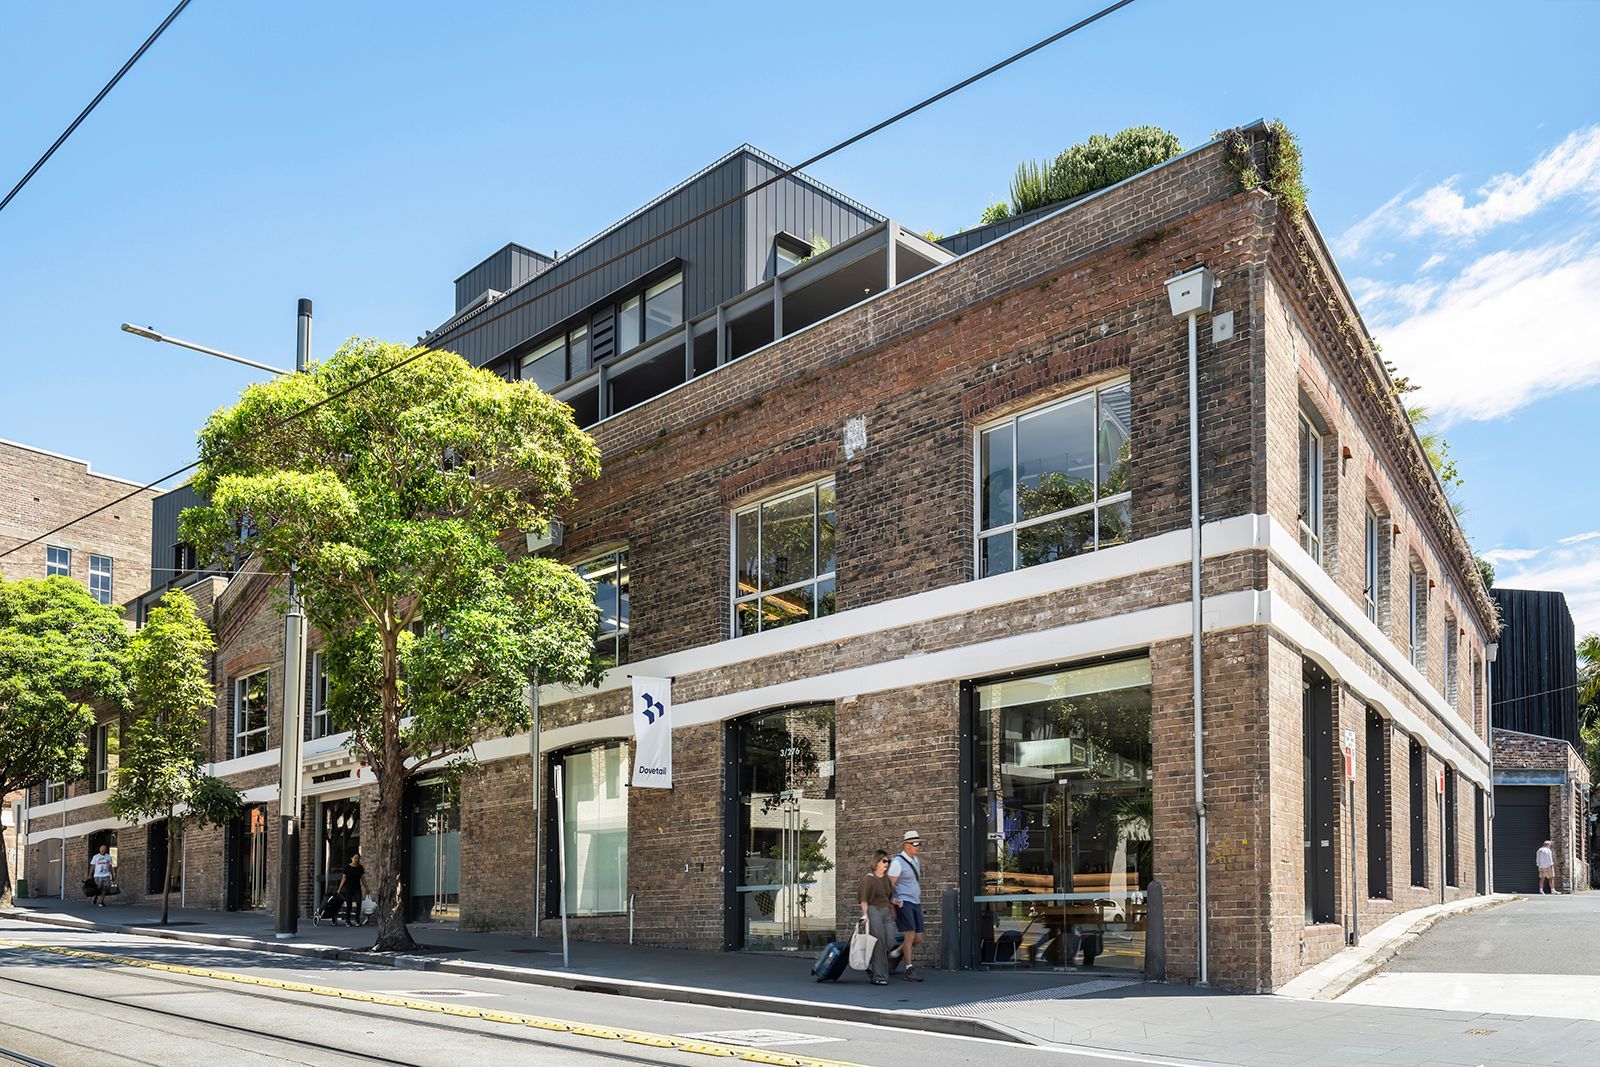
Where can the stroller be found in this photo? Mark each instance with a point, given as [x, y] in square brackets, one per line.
[329, 912]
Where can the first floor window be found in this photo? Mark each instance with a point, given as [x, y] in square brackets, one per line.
[319, 695]
[1452, 653]
[103, 751]
[54, 791]
[784, 560]
[100, 578]
[1054, 482]
[1417, 610]
[607, 575]
[1372, 565]
[1310, 488]
[250, 714]
[595, 818]
[57, 561]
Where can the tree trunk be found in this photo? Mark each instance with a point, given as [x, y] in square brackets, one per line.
[166, 873]
[390, 771]
[387, 851]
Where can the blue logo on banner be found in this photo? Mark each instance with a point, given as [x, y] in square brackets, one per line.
[653, 709]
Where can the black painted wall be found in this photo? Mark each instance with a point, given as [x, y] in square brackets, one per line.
[1534, 687]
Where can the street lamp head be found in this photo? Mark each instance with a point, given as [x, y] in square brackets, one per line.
[142, 331]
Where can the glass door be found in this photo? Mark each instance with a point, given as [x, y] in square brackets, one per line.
[1063, 817]
[786, 817]
[339, 838]
[250, 868]
[435, 854]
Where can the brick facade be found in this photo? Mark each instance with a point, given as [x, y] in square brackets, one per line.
[1073, 301]
[1552, 761]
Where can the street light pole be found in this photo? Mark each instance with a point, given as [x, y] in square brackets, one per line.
[294, 712]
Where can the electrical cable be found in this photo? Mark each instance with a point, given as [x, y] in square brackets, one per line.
[825, 153]
[101, 95]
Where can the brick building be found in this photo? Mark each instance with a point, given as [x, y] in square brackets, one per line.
[108, 553]
[1541, 781]
[907, 526]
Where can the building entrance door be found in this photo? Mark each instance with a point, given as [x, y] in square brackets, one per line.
[435, 848]
[785, 819]
[338, 838]
[247, 874]
[50, 874]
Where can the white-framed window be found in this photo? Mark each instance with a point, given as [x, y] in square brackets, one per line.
[1054, 482]
[319, 695]
[1452, 650]
[57, 560]
[1417, 612]
[1310, 488]
[103, 751]
[54, 791]
[100, 578]
[1371, 555]
[607, 575]
[783, 560]
[650, 314]
[595, 798]
[250, 695]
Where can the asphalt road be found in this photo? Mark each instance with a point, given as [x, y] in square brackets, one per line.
[67, 1010]
[1533, 935]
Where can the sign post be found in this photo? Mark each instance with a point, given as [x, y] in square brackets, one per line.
[1443, 846]
[1349, 748]
[652, 731]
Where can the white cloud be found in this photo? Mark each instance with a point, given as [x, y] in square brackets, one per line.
[1571, 168]
[1350, 242]
[1498, 556]
[1431, 262]
[1512, 327]
[1580, 538]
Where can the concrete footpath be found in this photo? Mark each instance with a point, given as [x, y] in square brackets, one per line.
[1087, 1011]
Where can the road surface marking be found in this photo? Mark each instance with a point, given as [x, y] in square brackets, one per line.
[605, 1033]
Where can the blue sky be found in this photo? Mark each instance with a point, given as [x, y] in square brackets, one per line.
[365, 154]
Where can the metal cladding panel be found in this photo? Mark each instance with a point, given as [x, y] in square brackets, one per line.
[709, 248]
[164, 512]
[795, 206]
[1535, 675]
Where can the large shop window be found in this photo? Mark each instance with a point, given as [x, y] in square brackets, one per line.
[607, 575]
[1062, 770]
[1055, 482]
[783, 560]
[250, 714]
[594, 787]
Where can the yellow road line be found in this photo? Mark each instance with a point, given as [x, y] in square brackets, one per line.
[602, 1033]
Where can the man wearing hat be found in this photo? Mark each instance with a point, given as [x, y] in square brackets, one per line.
[905, 875]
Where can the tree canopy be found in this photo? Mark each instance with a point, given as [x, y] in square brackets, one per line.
[161, 773]
[389, 501]
[61, 651]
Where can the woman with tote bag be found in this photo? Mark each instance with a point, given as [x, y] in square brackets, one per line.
[877, 917]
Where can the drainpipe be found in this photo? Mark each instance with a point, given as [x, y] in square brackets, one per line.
[1190, 294]
[538, 807]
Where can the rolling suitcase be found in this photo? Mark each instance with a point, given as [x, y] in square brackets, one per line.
[831, 961]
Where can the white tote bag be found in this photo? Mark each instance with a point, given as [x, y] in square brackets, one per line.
[861, 946]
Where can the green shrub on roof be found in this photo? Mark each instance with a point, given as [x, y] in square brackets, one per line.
[1096, 163]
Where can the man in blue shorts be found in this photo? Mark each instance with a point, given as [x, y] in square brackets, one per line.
[905, 875]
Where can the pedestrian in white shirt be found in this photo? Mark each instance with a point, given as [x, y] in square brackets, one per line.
[1546, 862]
[100, 871]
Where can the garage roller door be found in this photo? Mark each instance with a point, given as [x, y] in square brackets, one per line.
[1521, 824]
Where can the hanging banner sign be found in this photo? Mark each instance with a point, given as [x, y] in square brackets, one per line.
[652, 731]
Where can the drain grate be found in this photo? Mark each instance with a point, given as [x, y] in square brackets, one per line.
[1041, 996]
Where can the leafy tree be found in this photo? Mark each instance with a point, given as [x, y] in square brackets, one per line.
[163, 752]
[60, 652]
[390, 502]
[1485, 571]
[1589, 701]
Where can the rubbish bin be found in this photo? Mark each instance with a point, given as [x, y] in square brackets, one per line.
[21, 889]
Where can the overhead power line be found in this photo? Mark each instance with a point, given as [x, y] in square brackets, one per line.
[789, 172]
[101, 95]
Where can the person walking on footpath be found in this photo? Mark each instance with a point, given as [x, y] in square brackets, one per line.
[1545, 860]
[905, 874]
[877, 911]
[353, 887]
[100, 871]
